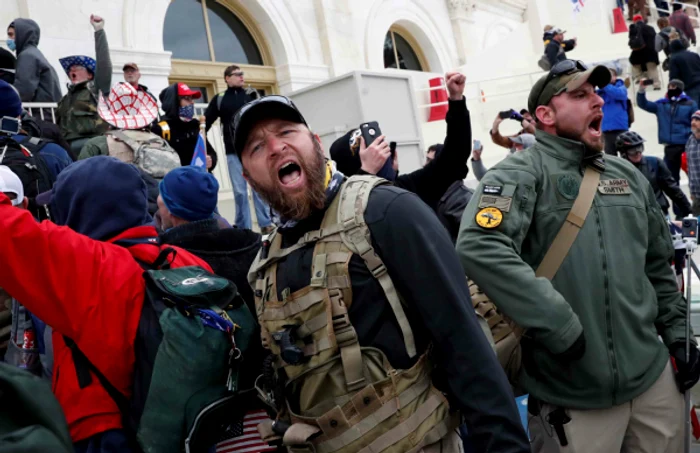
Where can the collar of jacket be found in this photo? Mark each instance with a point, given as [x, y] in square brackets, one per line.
[569, 150]
[77, 86]
[186, 231]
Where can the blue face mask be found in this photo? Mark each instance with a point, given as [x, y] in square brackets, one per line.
[186, 113]
[11, 44]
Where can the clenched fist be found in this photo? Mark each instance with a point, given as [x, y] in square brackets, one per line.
[455, 85]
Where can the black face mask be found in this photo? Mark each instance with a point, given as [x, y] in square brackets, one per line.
[674, 93]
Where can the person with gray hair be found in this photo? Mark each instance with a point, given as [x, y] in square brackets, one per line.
[518, 143]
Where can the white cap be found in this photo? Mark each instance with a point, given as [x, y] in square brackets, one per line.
[10, 183]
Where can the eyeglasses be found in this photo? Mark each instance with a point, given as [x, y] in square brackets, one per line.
[562, 68]
[237, 74]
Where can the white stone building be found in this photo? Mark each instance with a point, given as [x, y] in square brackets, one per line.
[286, 45]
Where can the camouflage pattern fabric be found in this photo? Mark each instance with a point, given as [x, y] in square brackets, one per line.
[77, 113]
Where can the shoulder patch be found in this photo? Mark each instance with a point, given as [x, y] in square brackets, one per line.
[502, 203]
[489, 218]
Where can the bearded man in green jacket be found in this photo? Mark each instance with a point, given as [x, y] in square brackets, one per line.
[599, 378]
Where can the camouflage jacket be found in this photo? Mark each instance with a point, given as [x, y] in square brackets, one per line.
[77, 110]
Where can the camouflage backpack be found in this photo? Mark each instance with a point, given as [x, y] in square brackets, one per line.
[146, 150]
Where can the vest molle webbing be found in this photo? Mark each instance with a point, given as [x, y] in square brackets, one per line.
[341, 397]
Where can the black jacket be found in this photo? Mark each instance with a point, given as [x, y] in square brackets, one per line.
[684, 65]
[432, 181]
[451, 207]
[556, 51]
[662, 182]
[232, 100]
[648, 54]
[423, 265]
[229, 251]
[183, 134]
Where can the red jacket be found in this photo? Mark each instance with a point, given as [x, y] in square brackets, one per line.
[88, 290]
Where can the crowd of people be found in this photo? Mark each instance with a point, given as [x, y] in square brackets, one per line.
[375, 311]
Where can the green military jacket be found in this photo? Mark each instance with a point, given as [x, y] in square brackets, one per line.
[76, 113]
[615, 284]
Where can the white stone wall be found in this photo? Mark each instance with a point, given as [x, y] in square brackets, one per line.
[309, 40]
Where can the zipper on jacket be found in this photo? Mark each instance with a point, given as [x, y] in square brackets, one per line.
[608, 313]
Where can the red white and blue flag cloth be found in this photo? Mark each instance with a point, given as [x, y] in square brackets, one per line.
[199, 158]
[578, 5]
[245, 437]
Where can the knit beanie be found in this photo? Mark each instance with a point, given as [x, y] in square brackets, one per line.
[678, 83]
[190, 193]
[10, 104]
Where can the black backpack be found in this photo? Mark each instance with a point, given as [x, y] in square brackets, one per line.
[32, 170]
[636, 41]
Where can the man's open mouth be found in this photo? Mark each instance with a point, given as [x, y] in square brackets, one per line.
[594, 126]
[289, 173]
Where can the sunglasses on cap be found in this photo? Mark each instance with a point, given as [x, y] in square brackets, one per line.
[562, 68]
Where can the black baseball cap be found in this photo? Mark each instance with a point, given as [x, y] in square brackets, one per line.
[266, 107]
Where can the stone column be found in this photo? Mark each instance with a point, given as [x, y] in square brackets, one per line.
[462, 18]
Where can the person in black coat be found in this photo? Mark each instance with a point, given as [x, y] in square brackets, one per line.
[644, 57]
[685, 66]
[630, 145]
[179, 126]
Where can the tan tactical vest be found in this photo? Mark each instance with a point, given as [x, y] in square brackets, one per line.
[343, 397]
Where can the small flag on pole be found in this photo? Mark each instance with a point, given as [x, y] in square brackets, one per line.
[199, 158]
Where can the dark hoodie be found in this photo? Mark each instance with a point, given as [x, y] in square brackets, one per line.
[183, 134]
[100, 198]
[685, 66]
[35, 79]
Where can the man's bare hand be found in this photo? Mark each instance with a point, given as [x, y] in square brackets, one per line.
[375, 155]
[97, 22]
[476, 152]
[455, 83]
[497, 122]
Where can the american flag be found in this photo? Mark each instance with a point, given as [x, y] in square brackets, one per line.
[243, 437]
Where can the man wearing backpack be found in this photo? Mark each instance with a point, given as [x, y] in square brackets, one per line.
[37, 170]
[554, 250]
[360, 276]
[223, 106]
[130, 113]
[86, 287]
[644, 57]
[555, 48]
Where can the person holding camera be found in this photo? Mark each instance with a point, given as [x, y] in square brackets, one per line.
[517, 143]
[525, 120]
[673, 113]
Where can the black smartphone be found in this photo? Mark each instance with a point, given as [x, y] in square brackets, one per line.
[370, 131]
[504, 115]
[647, 82]
[690, 228]
[392, 148]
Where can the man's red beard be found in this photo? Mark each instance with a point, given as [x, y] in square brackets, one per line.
[300, 205]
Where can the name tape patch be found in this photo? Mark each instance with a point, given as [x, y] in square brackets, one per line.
[502, 203]
[493, 190]
[614, 187]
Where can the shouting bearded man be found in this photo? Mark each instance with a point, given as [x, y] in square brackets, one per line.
[594, 305]
[364, 305]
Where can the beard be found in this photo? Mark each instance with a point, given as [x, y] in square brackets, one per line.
[594, 145]
[300, 205]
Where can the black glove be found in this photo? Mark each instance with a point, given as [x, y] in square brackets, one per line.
[575, 351]
[688, 373]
